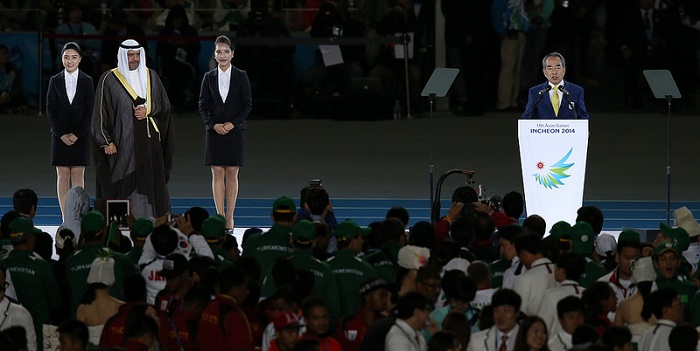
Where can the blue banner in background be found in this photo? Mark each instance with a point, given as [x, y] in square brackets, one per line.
[24, 53]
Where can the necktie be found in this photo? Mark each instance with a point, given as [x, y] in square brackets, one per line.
[503, 346]
[555, 100]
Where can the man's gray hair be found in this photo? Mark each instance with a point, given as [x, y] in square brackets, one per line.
[553, 54]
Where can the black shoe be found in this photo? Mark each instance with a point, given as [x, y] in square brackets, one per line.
[509, 109]
[459, 110]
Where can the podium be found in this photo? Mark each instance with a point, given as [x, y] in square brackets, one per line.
[553, 162]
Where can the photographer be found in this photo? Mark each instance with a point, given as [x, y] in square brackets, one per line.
[463, 199]
[512, 208]
[187, 227]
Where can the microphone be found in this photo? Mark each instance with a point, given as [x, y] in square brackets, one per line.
[563, 90]
[570, 103]
[540, 95]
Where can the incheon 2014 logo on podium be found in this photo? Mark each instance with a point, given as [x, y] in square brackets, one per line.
[551, 177]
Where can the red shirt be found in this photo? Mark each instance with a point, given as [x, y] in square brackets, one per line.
[273, 346]
[113, 331]
[350, 332]
[442, 230]
[224, 326]
[131, 345]
[501, 220]
[326, 343]
[185, 323]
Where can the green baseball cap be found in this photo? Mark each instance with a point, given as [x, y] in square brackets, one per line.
[304, 231]
[582, 237]
[666, 246]
[284, 204]
[349, 229]
[214, 228]
[92, 222]
[141, 227]
[22, 225]
[628, 234]
[560, 229]
[679, 236]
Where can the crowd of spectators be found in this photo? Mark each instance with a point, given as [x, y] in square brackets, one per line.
[498, 53]
[477, 279]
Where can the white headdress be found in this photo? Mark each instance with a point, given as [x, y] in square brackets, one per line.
[123, 64]
[102, 271]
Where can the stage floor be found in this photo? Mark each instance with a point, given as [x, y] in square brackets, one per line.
[390, 159]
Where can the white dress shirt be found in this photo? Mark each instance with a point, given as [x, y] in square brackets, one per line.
[12, 314]
[510, 273]
[490, 339]
[401, 337]
[224, 82]
[550, 299]
[483, 298]
[532, 284]
[560, 341]
[656, 338]
[71, 84]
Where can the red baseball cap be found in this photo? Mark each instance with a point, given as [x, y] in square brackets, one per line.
[286, 319]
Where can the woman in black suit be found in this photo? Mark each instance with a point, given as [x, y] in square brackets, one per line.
[224, 104]
[69, 103]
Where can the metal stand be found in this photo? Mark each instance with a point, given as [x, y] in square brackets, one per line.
[406, 39]
[664, 87]
[438, 85]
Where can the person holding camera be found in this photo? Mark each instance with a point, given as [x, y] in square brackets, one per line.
[509, 211]
[463, 199]
[225, 101]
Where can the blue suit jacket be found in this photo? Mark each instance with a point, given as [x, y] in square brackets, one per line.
[543, 109]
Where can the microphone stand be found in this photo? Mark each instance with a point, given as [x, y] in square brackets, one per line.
[405, 38]
[431, 167]
[570, 103]
[541, 95]
[668, 164]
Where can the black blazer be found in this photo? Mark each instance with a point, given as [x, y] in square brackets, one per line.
[239, 101]
[65, 117]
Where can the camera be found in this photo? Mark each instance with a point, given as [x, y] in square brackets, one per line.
[494, 202]
[258, 17]
[172, 219]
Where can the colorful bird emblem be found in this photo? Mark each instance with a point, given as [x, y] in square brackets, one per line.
[552, 177]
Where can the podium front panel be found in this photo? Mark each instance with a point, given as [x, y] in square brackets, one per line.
[553, 162]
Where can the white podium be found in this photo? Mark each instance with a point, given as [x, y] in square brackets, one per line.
[553, 162]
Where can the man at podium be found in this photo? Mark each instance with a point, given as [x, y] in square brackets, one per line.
[556, 98]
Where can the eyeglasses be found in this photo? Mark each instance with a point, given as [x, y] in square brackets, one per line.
[431, 286]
